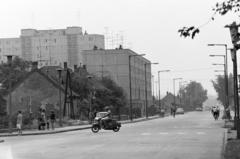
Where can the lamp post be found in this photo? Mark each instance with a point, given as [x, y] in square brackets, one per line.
[226, 81]
[90, 100]
[180, 86]
[9, 61]
[174, 88]
[226, 74]
[159, 91]
[59, 93]
[146, 100]
[130, 84]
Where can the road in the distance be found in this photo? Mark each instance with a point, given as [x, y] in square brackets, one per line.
[191, 136]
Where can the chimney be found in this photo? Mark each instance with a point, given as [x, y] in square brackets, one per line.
[75, 68]
[34, 65]
[65, 65]
[9, 59]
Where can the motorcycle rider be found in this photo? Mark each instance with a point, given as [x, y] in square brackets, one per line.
[215, 112]
[106, 118]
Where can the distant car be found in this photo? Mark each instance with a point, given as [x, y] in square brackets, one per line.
[199, 109]
[180, 111]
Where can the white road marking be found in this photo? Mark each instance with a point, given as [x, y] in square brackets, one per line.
[145, 134]
[201, 133]
[163, 133]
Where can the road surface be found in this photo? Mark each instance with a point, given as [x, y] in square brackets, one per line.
[194, 135]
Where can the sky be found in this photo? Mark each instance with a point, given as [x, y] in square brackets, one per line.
[147, 27]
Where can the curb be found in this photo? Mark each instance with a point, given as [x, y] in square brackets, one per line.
[224, 143]
[45, 133]
[75, 129]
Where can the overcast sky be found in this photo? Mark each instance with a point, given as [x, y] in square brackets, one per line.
[148, 26]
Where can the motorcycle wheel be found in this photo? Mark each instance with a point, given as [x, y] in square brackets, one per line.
[116, 129]
[95, 129]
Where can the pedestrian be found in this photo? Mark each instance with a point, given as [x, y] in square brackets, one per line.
[43, 116]
[48, 122]
[19, 122]
[52, 119]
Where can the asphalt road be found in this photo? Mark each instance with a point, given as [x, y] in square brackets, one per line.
[191, 136]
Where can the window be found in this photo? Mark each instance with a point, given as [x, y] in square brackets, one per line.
[0, 50]
[46, 40]
[55, 40]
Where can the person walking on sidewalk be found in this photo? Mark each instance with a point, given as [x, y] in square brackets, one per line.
[19, 122]
[44, 120]
[52, 119]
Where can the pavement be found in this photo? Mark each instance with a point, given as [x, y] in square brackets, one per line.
[66, 128]
[194, 135]
[231, 144]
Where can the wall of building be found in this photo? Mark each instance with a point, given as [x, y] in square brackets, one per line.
[51, 47]
[9, 46]
[115, 64]
[33, 92]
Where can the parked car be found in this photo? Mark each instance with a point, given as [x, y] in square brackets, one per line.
[199, 109]
[180, 111]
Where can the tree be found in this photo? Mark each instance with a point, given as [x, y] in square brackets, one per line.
[112, 95]
[12, 73]
[193, 95]
[103, 92]
[219, 86]
[221, 8]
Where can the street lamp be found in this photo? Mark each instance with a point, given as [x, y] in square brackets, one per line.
[146, 100]
[130, 83]
[226, 74]
[215, 64]
[59, 93]
[174, 88]
[226, 79]
[159, 96]
[180, 87]
[90, 100]
[218, 70]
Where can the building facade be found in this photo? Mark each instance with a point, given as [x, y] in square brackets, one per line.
[115, 64]
[51, 47]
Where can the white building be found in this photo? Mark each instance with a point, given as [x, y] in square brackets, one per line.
[51, 47]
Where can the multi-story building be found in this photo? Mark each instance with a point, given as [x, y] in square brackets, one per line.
[115, 64]
[52, 47]
[9, 46]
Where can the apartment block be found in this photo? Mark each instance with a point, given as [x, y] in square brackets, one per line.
[52, 47]
[115, 64]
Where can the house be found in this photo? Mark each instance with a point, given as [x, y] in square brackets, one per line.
[37, 89]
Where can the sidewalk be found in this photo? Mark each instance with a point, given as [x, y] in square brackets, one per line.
[232, 145]
[68, 128]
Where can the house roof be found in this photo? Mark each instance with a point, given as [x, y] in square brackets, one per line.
[48, 78]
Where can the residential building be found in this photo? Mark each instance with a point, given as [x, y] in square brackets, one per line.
[9, 46]
[51, 47]
[115, 64]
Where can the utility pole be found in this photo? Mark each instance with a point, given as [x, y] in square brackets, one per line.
[159, 91]
[59, 93]
[146, 90]
[235, 40]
